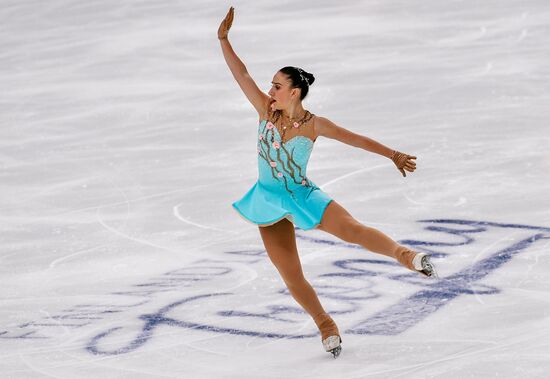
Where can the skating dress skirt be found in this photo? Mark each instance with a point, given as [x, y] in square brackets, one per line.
[282, 189]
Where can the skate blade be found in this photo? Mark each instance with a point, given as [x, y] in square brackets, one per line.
[336, 352]
[428, 268]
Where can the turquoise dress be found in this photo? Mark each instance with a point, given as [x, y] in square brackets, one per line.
[283, 189]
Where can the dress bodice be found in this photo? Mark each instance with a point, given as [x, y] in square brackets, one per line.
[283, 164]
[283, 190]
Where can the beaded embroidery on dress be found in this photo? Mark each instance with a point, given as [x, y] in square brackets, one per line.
[283, 188]
[287, 158]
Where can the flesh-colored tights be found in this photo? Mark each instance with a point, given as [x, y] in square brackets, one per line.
[280, 243]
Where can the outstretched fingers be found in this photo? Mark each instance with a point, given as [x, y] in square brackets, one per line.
[410, 165]
[232, 16]
[225, 25]
[229, 18]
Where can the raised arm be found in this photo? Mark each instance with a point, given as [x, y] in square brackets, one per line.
[329, 129]
[257, 98]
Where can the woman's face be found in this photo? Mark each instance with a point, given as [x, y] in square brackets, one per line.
[281, 92]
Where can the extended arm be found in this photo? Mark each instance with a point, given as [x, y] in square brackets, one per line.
[256, 97]
[327, 128]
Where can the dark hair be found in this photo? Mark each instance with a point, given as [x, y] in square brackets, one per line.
[299, 78]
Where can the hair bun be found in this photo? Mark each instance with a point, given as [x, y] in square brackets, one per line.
[310, 78]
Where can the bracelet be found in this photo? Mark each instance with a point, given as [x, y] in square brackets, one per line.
[399, 159]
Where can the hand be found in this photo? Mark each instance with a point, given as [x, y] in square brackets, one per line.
[226, 24]
[403, 162]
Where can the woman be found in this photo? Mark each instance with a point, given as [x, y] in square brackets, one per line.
[283, 195]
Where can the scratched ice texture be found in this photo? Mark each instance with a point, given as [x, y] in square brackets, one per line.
[124, 139]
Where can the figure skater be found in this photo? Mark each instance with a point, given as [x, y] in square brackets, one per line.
[283, 195]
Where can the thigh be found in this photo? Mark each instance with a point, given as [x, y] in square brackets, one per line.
[338, 222]
[280, 243]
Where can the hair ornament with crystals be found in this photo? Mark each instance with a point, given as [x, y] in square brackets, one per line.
[304, 79]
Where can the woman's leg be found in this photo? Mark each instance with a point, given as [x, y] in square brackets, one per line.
[338, 222]
[280, 243]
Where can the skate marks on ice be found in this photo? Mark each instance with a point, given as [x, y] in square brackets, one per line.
[205, 309]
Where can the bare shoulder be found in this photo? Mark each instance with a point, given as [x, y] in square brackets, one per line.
[324, 127]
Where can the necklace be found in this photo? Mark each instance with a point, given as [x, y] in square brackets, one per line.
[296, 124]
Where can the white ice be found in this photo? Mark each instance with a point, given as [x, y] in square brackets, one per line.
[124, 139]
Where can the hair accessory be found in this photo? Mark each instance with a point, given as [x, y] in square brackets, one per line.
[304, 79]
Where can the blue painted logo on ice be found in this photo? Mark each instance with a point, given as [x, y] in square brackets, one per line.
[378, 295]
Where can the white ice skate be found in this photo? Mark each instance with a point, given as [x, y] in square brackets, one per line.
[423, 265]
[332, 345]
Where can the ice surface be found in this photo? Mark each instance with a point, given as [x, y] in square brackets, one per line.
[124, 139]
